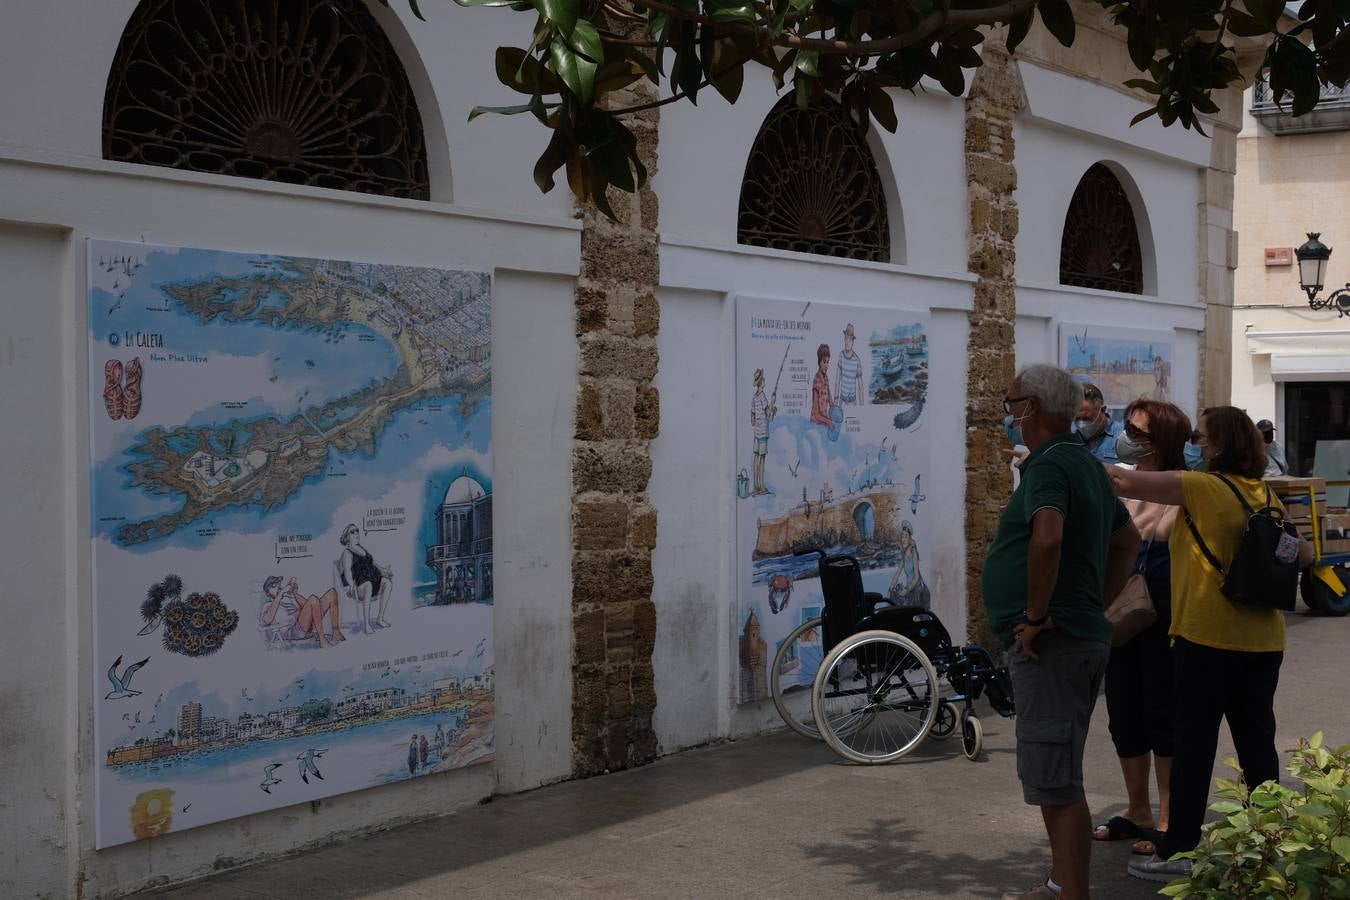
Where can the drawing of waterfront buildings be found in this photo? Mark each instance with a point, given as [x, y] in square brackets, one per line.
[462, 554]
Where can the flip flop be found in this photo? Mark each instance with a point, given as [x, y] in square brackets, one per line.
[1118, 828]
[1148, 844]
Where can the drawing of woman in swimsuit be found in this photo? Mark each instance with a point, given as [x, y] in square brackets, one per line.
[364, 579]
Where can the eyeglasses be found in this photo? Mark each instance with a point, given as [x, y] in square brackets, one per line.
[1199, 437]
[1009, 401]
[1137, 434]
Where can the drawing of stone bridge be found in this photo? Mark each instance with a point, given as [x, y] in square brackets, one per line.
[855, 517]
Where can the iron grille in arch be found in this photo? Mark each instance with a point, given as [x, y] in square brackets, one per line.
[1100, 244]
[811, 185]
[298, 91]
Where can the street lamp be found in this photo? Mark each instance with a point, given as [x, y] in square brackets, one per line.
[1312, 270]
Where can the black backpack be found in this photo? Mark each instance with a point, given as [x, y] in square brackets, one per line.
[1264, 571]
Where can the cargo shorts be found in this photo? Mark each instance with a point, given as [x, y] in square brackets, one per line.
[1055, 698]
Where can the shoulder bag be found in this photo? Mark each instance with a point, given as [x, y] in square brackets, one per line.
[1132, 611]
[1264, 571]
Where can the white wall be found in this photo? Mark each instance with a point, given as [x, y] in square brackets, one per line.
[693, 466]
[55, 192]
[1068, 126]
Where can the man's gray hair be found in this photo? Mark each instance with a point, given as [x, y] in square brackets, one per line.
[1058, 393]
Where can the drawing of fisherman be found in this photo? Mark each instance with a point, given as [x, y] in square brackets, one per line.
[820, 388]
[907, 587]
[761, 414]
[848, 386]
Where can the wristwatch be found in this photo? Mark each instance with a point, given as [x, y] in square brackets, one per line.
[1036, 623]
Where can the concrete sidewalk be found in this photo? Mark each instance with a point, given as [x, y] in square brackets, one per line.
[769, 817]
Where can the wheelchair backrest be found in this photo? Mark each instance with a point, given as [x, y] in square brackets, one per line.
[842, 586]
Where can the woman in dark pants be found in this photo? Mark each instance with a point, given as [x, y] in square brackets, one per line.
[1227, 655]
[1139, 672]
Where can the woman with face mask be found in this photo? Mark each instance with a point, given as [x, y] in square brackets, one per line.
[1139, 672]
[1226, 655]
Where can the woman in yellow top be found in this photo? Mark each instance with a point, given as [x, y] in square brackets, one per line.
[1226, 655]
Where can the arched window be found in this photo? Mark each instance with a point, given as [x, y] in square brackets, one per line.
[299, 91]
[1100, 244]
[811, 185]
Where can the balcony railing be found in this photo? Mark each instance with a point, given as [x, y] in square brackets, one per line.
[1332, 112]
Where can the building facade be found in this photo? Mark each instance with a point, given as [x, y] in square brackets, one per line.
[615, 472]
[462, 554]
[1291, 364]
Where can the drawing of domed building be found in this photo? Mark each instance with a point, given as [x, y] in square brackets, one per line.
[462, 554]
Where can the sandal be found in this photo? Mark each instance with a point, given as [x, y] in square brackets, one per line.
[1148, 844]
[1118, 828]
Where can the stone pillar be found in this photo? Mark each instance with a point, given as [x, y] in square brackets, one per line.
[613, 522]
[1218, 259]
[995, 98]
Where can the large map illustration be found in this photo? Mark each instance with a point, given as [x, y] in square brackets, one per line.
[292, 529]
[832, 452]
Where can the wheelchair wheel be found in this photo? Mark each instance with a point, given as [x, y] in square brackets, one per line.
[972, 738]
[794, 673]
[945, 723]
[875, 697]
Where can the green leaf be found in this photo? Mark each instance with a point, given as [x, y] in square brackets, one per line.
[882, 107]
[688, 71]
[1243, 25]
[553, 158]
[469, 3]
[561, 14]
[610, 159]
[1151, 111]
[1265, 11]
[577, 67]
[523, 73]
[1144, 84]
[947, 70]
[803, 86]
[1058, 18]
[1340, 845]
[730, 11]
[416, 11]
[1018, 29]
[808, 63]
[501, 110]
[726, 74]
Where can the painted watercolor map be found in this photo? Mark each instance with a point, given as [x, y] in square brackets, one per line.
[832, 452]
[292, 530]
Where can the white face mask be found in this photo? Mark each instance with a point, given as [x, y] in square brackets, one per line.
[1089, 429]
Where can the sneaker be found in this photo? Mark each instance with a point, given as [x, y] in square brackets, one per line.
[1042, 891]
[1154, 869]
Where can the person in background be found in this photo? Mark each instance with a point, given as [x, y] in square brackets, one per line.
[1064, 542]
[1139, 672]
[1226, 655]
[1095, 425]
[1276, 465]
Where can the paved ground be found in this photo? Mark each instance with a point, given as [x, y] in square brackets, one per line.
[769, 817]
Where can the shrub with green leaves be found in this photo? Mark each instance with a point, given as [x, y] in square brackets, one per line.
[1277, 841]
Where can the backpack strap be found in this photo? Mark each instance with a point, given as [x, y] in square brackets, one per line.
[1200, 542]
[1236, 493]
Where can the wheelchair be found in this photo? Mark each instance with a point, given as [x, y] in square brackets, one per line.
[875, 672]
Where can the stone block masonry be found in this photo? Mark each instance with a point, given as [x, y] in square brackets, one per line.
[614, 526]
[995, 99]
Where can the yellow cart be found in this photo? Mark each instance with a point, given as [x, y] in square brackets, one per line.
[1324, 586]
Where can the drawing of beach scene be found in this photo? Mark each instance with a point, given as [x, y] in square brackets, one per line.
[1125, 365]
[899, 365]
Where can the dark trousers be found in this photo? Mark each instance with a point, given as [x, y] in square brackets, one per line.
[1139, 696]
[1212, 685]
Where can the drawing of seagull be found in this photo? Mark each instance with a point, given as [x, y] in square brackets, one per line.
[122, 684]
[268, 778]
[917, 497]
[307, 766]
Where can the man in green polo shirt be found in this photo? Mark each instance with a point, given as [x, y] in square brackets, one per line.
[1064, 543]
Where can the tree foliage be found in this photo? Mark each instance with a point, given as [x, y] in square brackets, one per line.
[581, 53]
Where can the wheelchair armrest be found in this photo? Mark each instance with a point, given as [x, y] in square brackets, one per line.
[871, 600]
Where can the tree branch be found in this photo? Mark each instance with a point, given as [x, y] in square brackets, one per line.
[925, 29]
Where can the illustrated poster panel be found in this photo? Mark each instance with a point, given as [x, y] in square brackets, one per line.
[292, 530]
[1124, 363]
[832, 452]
